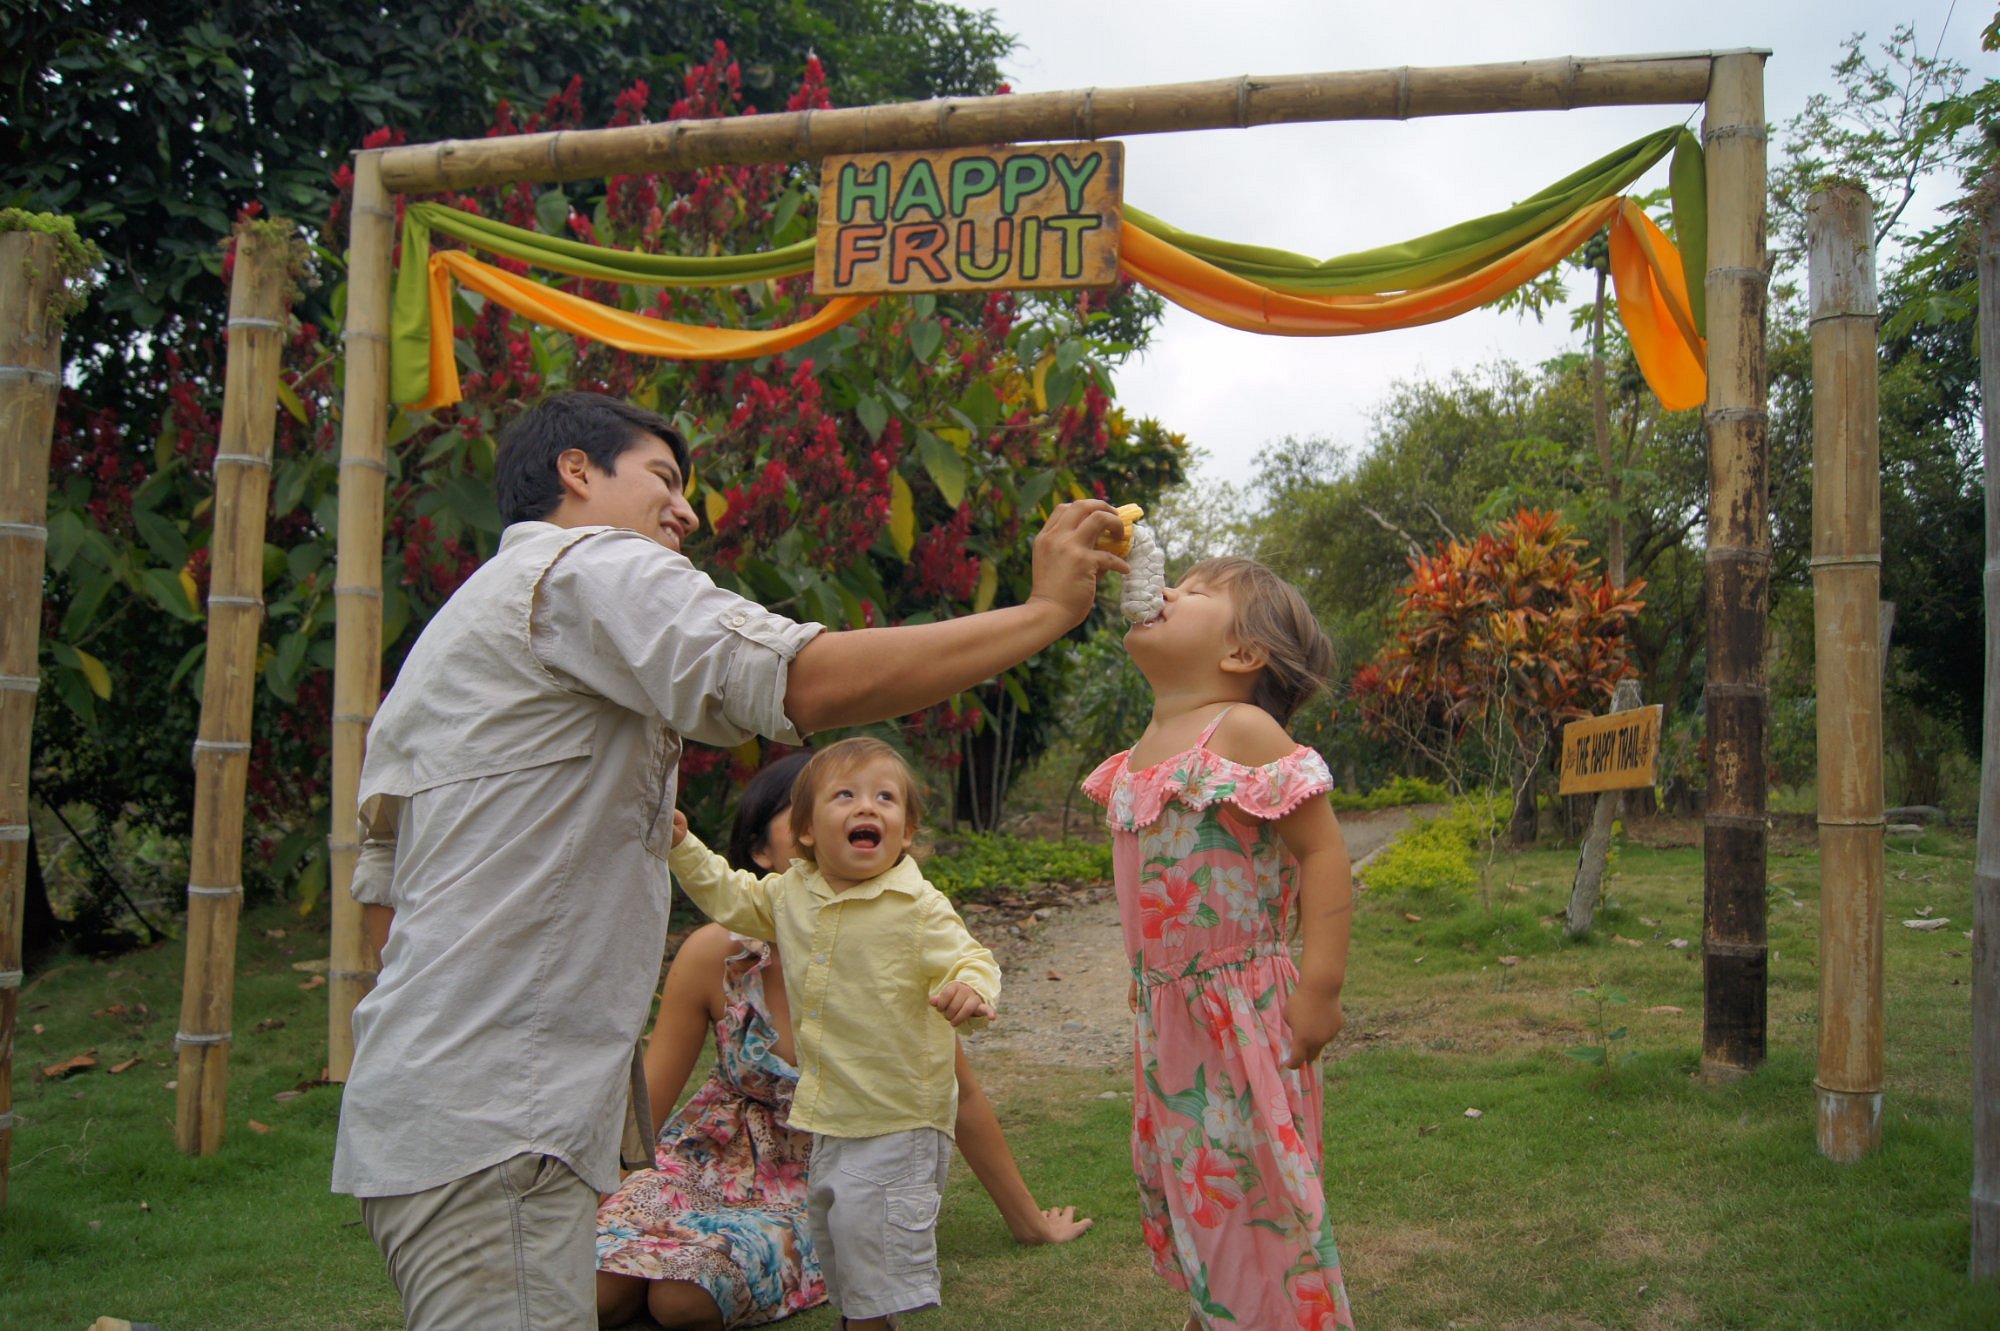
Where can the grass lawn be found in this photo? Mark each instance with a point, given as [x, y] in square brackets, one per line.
[1642, 1199]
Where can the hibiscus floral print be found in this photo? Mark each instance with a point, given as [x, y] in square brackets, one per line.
[1225, 1140]
[725, 1204]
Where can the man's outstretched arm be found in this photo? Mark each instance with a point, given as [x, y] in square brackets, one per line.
[857, 676]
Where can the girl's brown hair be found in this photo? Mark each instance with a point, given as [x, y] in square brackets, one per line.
[835, 761]
[1273, 618]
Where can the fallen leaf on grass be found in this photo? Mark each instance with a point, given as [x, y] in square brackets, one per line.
[1665, 1010]
[274, 934]
[1055, 975]
[1413, 919]
[1650, 924]
[268, 1025]
[1510, 961]
[315, 982]
[39, 1028]
[57, 1071]
[1629, 942]
[1427, 1129]
[126, 1066]
[115, 1010]
[258, 1128]
[1926, 926]
[1677, 943]
[283, 1096]
[313, 965]
[1475, 1113]
[172, 1086]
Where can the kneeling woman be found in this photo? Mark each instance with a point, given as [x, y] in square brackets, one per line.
[715, 1235]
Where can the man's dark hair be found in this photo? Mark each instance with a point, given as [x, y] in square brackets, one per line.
[525, 483]
[768, 795]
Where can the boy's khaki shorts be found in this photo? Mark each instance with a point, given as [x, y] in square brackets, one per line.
[873, 1206]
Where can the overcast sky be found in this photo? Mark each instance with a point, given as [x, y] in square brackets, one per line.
[1334, 188]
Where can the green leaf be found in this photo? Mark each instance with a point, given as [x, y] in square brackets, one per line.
[189, 660]
[65, 537]
[552, 212]
[787, 209]
[302, 561]
[164, 586]
[291, 402]
[1587, 1053]
[294, 474]
[472, 500]
[281, 676]
[873, 415]
[82, 612]
[981, 406]
[1068, 354]
[162, 536]
[946, 467]
[924, 336]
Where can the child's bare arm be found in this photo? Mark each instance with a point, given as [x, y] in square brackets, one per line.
[1326, 918]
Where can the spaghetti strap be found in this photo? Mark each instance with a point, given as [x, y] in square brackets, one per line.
[1201, 742]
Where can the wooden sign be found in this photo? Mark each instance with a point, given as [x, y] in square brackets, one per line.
[1615, 752]
[970, 219]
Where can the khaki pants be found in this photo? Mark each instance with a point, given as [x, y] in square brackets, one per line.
[510, 1248]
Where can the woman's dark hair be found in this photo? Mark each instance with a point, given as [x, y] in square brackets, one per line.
[768, 795]
[525, 483]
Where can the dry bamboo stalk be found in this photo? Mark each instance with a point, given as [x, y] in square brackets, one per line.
[357, 591]
[1986, 870]
[958, 122]
[1847, 584]
[1737, 588]
[257, 316]
[30, 375]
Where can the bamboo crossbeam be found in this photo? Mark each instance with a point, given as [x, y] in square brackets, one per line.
[1986, 866]
[257, 315]
[1847, 585]
[30, 376]
[1737, 585]
[1560, 84]
[357, 590]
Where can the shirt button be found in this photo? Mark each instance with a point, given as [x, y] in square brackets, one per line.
[820, 959]
[738, 619]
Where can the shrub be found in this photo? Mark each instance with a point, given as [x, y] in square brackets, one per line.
[1438, 854]
[1393, 794]
[979, 860]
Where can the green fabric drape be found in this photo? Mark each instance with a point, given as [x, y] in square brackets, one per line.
[1440, 256]
[409, 324]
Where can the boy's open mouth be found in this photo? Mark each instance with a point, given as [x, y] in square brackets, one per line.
[866, 838]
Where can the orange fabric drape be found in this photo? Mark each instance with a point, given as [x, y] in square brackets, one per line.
[585, 318]
[1214, 294]
[1653, 305]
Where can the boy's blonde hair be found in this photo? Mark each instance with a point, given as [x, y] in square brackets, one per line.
[836, 760]
[1272, 617]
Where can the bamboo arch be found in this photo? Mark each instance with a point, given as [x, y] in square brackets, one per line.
[1729, 83]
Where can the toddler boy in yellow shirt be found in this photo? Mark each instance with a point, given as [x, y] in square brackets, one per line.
[873, 955]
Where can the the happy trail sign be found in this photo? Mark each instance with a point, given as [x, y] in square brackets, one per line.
[971, 219]
[1617, 751]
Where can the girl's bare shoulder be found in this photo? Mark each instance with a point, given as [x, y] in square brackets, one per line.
[1251, 736]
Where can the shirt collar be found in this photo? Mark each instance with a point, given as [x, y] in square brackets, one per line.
[903, 876]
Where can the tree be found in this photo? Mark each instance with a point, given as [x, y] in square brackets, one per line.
[1511, 626]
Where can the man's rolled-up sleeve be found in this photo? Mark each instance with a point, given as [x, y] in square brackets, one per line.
[627, 618]
[375, 865]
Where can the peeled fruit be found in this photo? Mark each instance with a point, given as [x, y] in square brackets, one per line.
[1121, 543]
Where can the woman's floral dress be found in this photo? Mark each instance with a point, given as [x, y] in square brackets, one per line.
[1225, 1141]
[725, 1204]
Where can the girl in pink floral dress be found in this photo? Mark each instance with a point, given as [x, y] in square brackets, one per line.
[1222, 840]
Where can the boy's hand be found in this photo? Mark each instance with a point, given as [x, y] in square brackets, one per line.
[1315, 1018]
[680, 827]
[960, 1003]
[1067, 562]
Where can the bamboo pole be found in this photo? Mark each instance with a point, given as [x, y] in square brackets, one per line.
[1406, 93]
[1986, 870]
[1847, 586]
[357, 590]
[257, 299]
[1737, 592]
[30, 376]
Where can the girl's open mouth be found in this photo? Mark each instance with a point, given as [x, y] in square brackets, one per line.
[866, 838]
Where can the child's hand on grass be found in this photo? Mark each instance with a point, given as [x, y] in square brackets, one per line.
[1056, 1224]
[960, 1003]
[680, 827]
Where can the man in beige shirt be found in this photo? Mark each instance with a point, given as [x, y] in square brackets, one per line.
[516, 810]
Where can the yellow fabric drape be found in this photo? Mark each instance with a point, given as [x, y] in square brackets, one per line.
[585, 318]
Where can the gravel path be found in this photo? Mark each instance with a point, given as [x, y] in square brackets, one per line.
[1064, 999]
